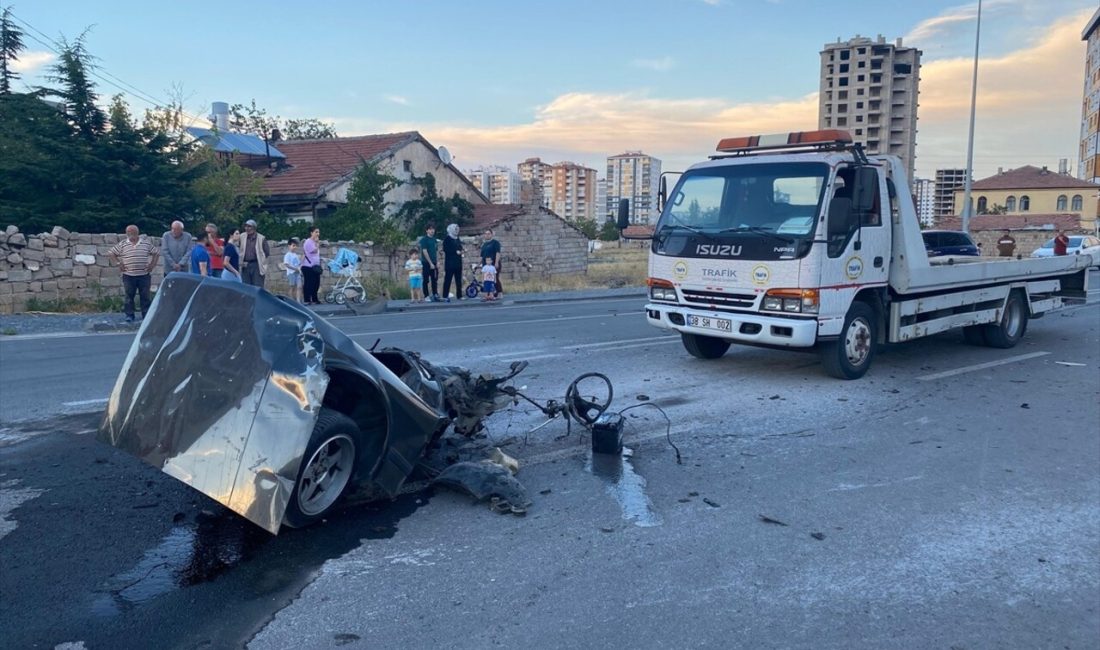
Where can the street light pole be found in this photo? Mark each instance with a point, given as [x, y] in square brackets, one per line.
[970, 140]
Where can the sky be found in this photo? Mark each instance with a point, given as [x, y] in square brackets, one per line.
[498, 82]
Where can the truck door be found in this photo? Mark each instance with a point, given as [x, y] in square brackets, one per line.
[858, 239]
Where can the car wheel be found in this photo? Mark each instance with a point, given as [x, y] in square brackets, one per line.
[850, 356]
[704, 347]
[1013, 324]
[327, 469]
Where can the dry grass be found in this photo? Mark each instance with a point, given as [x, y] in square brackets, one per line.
[608, 268]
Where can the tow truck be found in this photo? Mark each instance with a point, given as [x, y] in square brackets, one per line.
[803, 241]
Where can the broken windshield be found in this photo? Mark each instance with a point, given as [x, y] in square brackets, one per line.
[753, 200]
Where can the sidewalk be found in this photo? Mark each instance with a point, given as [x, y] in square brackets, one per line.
[46, 324]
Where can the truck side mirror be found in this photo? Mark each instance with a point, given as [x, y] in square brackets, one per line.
[866, 189]
[624, 214]
[662, 194]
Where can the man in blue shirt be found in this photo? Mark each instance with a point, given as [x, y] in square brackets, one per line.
[200, 259]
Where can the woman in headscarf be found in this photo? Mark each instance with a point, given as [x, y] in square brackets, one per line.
[452, 263]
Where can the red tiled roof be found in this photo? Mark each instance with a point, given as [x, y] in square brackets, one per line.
[491, 214]
[639, 230]
[1012, 222]
[313, 164]
[1030, 177]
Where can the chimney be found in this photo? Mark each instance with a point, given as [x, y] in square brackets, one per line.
[219, 116]
[530, 194]
[898, 42]
[1000, 170]
[1045, 170]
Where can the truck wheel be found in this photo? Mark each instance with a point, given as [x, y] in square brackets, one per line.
[704, 347]
[850, 356]
[974, 334]
[1012, 326]
[327, 469]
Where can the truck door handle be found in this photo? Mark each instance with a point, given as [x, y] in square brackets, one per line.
[878, 262]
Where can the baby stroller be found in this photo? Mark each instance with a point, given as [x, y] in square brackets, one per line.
[345, 267]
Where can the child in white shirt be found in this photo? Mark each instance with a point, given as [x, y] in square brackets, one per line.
[489, 279]
[293, 263]
[416, 275]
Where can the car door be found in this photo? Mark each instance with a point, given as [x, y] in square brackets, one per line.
[861, 255]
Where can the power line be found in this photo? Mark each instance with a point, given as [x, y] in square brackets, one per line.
[102, 74]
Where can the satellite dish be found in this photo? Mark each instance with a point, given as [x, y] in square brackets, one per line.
[445, 156]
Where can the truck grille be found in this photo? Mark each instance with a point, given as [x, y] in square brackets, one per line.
[720, 300]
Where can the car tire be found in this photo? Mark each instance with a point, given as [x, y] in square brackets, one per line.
[850, 356]
[327, 472]
[1007, 332]
[975, 335]
[704, 347]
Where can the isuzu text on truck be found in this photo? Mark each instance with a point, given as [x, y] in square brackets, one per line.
[801, 241]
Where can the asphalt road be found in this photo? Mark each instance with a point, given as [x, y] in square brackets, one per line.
[942, 501]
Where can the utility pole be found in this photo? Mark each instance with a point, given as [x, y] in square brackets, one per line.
[970, 140]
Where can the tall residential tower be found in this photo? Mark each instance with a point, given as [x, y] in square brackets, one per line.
[634, 175]
[869, 88]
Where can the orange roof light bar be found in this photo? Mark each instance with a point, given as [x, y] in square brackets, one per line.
[780, 140]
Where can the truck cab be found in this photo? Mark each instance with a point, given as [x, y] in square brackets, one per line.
[800, 240]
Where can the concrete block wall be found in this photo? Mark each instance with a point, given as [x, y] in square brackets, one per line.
[1026, 240]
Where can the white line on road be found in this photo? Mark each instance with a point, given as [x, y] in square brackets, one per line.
[501, 324]
[86, 402]
[528, 358]
[982, 366]
[619, 342]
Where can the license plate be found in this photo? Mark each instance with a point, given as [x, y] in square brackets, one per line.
[706, 322]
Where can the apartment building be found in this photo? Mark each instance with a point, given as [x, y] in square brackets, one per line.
[924, 190]
[870, 89]
[1088, 164]
[542, 173]
[636, 176]
[572, 191]
[947, 181]
[498, 183]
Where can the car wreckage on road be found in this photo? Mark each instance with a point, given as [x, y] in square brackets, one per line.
[253, 400]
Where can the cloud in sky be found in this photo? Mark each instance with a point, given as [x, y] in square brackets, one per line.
[1028, 113]
[662, 64]
[31, 61]
[396, 99]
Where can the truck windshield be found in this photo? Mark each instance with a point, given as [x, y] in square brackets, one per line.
[779, 200]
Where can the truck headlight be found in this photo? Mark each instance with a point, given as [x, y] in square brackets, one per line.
[792, 304]
[773, 303]
[791, 301]
[661, 293]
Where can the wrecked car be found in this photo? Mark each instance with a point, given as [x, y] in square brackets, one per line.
[254, 401]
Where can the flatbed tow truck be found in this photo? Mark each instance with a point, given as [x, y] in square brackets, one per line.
[800, 240]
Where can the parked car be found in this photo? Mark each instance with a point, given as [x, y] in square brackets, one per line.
[1078, 245]
[948, 242]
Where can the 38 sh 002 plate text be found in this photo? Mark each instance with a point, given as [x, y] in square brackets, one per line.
[706, 322]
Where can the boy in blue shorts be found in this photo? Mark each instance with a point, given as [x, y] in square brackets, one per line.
[416, 275]
[489, 280]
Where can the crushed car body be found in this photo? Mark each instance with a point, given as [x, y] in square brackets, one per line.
[254, 401]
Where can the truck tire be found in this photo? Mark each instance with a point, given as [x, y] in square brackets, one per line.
[328, 467]
[1013, 324]
[704, 347]
[975, 334]
[850, 356]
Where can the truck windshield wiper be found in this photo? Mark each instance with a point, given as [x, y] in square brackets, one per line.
[760, 230]
[678, 224]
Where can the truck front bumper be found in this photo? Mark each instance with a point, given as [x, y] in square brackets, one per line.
[744, 328]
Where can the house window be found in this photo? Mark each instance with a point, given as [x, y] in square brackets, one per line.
[843, 68]
[1010, 204]
[843, 81]
[1077, 203]
[1062, 203]
[982, 205]
[860, 78]
[845, 55]
[1025, 203]
[408, 165]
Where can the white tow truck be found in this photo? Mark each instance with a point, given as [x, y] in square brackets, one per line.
[800, 240]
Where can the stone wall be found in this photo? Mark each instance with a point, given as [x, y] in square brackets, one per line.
[74, 266]
[1026, 240]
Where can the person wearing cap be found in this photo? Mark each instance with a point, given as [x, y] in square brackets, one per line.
[254, 251]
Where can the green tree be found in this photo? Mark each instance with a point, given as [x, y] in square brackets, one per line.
[589, 227]
[11, 44]
[432, 207]
[252, 119]
[225, 193]
[609, 231]
[76, 90]
[995, 209]
[363, 217]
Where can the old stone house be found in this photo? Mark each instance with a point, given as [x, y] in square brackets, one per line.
[312, 180]
[1033, 191]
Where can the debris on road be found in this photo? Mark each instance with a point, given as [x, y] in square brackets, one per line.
[712, 504]
[485, 480]
[1073, 364]
[768, 520]
[818, 536]
[504, 460]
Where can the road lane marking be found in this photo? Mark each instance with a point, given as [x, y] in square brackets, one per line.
[528, 358]
[86, 402]
[60, 335]
[505, 307]
[504, 323]
[618, 342]
[982, 366]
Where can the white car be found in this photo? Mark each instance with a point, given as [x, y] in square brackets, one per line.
[1078, 245]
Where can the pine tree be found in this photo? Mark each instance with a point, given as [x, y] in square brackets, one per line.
[11, 44]
[76, 91]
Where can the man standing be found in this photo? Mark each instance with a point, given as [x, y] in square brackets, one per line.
[200, 259]
[429, 259]
[1006, 245]
[254, 252]
[136, 256]
[490, 248]
[1061, 242]
[175, 248]
[215, 246]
